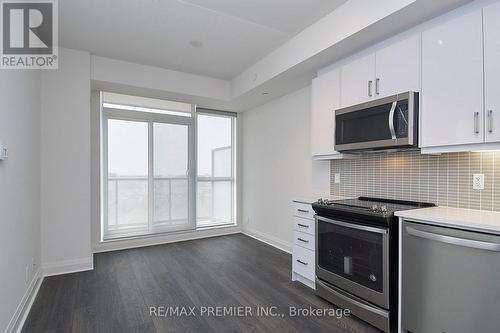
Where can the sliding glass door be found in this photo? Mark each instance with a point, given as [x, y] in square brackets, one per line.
[127, 184]
[170, 175]
[148, 183]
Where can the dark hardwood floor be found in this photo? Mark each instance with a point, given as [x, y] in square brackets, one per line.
[227, 271]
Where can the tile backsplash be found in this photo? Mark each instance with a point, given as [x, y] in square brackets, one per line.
[442, 179]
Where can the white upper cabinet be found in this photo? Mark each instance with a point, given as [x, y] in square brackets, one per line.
[398, 68]
[452, 83]
[391, 70]
[358, 81]
[325, 100]
[492, 72]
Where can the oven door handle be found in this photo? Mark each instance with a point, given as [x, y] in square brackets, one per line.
[353, 225]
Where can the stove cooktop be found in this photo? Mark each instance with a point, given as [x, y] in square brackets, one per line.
[376, 208]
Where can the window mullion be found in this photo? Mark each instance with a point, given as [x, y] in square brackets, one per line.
[150, 177]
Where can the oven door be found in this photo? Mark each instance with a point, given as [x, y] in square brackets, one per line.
[384, 123]
[355, 258]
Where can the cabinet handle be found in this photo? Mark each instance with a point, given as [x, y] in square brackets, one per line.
[370, 83]
[301, 262]
[303, 225]
[476, 122]
[303, 240]
[303, 211]
[377, 86]
[490, 121]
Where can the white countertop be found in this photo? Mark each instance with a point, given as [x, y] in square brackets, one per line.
[469, 219]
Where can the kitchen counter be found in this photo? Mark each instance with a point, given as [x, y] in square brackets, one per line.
[468, 219]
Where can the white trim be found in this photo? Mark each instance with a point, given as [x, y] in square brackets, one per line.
[461, 148]
[122, 244]
[17, 321]
[268, 239]
[68, 266]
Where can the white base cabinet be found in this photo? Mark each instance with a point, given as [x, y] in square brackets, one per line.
[304, 248]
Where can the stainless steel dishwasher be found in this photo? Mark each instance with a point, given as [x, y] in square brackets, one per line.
[450, 280]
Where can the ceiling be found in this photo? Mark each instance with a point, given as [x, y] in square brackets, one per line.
[235, 33]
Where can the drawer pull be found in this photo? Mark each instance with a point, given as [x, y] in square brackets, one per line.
[303, 240]
[303, 211]
[301, 262]
[302, 225]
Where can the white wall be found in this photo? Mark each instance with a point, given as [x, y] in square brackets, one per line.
[277, 166]
[19, 187]
[65, 164]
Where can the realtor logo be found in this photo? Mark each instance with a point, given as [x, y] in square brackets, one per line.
[29, 34]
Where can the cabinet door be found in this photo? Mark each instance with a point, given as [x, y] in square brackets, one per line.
[398, 68]
[492, 72]
[452, 82]
[358, 81]
[325, 100]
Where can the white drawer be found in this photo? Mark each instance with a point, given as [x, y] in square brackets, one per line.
[303, 210]
[304, 225]
[303, 262]
[304, 240]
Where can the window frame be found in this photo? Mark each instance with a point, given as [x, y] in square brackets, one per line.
[149, 118]
[232, 179]
[102, 235]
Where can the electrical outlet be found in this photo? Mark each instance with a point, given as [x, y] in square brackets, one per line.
[4, 153]
[337, 178]
[478, 181]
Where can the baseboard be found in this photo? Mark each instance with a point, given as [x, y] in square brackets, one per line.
[303, 280]
[68, 266]
[123, 244]
[17, 321]
[268, 239]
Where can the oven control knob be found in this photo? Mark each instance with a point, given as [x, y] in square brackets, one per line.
[383, 209]
[374, 208]
[373, 277]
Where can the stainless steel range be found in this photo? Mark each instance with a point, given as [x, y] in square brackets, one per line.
[357, 256]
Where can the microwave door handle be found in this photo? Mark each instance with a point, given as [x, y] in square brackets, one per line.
[391, 120]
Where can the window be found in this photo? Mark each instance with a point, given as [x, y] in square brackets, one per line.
[148, 162]
[215, 166]
[147, 183]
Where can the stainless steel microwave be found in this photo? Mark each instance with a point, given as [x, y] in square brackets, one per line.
[386, 123]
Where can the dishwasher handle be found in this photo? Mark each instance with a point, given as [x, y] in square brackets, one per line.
[454, 240]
